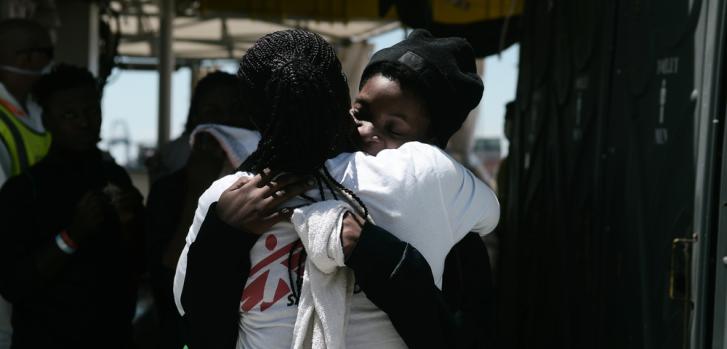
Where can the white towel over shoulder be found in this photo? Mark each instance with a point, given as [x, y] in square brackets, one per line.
[327, 287]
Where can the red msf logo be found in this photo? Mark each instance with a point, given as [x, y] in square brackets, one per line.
[254, 292]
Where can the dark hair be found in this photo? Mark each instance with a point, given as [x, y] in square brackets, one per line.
[297, 96]
[409, 81]
[205, 86]
[62, 77]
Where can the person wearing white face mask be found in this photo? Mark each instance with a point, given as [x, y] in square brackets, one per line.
[26, 52]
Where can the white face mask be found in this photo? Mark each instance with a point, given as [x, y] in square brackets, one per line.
[28, 72]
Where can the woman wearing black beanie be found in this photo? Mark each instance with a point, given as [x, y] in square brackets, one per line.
[440, 71]
[422, 89]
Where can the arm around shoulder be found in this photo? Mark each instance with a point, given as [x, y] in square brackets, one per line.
[218, 263]
[211, 274]
[398, 280]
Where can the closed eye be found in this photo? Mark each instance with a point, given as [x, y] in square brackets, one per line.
[394, 133]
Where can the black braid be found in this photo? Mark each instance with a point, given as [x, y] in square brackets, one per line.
[321, 192]
[299, 101]
[329, 187]
[293, 290]
[297, 285]
[347, 191]
[297, 97]
[300, 272]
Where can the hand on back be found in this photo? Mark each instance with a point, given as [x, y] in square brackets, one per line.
[350, 231]
[252, 204]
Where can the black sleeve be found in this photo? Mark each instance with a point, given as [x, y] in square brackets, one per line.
[398, 280]
[218, 264]
[468, 287]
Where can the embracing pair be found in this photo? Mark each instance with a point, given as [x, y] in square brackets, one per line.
[376, 205]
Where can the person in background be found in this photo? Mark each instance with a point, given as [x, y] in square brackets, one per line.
[173, 197]
[215, 100]
[26, 51]
[71, 248]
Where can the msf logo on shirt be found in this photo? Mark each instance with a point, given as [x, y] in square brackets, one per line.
[272, 273]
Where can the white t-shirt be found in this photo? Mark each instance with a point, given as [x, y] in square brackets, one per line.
[416, 192]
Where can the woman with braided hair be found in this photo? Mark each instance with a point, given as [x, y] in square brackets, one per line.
[298, 99]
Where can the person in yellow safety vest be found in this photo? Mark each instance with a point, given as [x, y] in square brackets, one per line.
[26, 51]
[25, 146]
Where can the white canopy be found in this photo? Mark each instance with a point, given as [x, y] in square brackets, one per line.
[223, 35]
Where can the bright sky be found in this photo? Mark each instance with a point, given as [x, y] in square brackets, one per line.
[130, 98]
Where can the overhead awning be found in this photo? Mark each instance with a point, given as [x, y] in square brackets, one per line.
[489, 25]
[214, 29]
[440, 11]
[226, 34]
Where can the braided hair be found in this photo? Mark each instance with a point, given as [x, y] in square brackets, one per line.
[298, 99]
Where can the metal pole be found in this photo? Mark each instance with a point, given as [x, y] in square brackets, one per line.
[166, 67]
[76, 29]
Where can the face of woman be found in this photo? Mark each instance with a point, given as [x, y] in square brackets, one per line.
[388, 116]
[73, 117]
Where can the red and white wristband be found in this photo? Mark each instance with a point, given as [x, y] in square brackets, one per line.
[65, 243]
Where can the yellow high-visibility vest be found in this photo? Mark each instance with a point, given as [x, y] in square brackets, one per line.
[25, 145]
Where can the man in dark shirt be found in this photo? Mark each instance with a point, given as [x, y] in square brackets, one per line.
[70, 251]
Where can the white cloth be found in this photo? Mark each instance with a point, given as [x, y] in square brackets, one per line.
[33, 119]
[416, 192]
[238, 143]
[327, 288]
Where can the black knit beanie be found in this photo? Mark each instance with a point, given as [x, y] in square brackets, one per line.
[446, 67]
